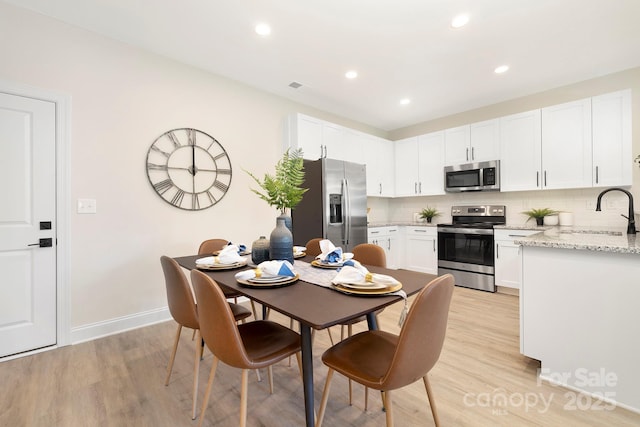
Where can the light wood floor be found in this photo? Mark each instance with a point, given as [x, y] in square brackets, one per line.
[119, 381]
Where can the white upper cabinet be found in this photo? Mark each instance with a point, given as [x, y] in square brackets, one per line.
[457, 145]
[473, 143]
[334, 138]
[485, 140]
[419, 165]
[611, 132]
[379, 155]
[520, 148]
[406, 167]
[566, 145]
[431, 164]
[320, 139]
[306, 133]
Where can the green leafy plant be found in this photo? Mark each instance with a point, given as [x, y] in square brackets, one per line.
[538, 214]
[283, 190]
[429, 213]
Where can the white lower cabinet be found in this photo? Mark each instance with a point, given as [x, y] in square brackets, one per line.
[421, 249]
[508, 257]
[389, 239]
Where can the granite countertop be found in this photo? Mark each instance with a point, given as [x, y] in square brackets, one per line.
[575, 237]
[401, 223]
[583, 238]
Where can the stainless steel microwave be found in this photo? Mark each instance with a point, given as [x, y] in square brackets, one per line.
[481, 176]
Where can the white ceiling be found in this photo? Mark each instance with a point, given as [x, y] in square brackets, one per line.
[401, 48]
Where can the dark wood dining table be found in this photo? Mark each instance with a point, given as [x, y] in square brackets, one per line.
[316, 307]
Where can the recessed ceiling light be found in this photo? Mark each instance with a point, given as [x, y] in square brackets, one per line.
[460, 21]
[351, 74]
[405, 101]
[263, 29]
[501, 69]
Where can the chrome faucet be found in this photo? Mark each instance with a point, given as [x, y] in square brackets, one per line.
[631, 226]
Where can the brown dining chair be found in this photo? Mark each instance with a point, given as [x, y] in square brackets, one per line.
[386, 362]
[312, 248]
[210, 246]
[367, 254]
[184, 311]
[251, 345]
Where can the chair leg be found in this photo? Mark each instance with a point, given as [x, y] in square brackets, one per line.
[299, 359]
[432, 402]
[196, 373]
[325, 398]
[258, 375]
[349, 332]
[212, 375]
[270, 375]
[253, 309]
[173, 355]
[387, 405]
[366, 398]
[243, 397]
[330, 336]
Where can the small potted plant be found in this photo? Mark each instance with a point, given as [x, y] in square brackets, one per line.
[283, 191]
[539, 214]
[429, 214]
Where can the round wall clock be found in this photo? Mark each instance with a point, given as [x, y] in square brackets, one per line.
[189, 169]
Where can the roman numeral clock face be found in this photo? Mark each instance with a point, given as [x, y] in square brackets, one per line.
[189, 169]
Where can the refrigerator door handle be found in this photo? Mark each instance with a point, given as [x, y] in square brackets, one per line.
[347, 212]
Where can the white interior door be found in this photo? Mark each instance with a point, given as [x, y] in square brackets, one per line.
[27, 219]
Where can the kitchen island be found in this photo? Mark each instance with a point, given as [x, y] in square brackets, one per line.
[579, 313]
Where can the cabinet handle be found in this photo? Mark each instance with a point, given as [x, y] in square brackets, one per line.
[419, 231]
[517, 235]
[380, 188]
[545, 178]
[420, 187]
[497, 250]
[473, 154]
[467, 154]
[374, 232]
[434, 245]
[389, 244]
[596, 174]
[415, 188]
[537, 178]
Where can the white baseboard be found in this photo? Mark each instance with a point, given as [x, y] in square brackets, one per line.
[118, 325]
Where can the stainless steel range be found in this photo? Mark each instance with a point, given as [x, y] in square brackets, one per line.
[465, 247]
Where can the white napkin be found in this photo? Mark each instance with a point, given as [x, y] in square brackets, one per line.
[297, 250]
[228, 255]
[358, 274]
[332, 254]
[268, 269]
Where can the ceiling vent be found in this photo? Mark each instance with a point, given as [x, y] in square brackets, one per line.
[295, 85]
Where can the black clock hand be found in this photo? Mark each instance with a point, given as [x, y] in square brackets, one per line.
[193, 159]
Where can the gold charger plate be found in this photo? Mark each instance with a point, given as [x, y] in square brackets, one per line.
[320, 264]
[367, 292]
[299, 255]
[221, 266]
[286, 282]
[216, 253]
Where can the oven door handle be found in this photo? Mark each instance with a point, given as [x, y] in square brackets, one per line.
[454, 230]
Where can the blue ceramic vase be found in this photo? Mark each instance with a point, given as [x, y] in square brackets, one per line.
[281, 242]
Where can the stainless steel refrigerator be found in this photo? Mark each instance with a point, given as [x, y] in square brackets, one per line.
[335, 207]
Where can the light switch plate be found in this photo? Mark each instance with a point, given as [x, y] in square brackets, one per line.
[87, 206]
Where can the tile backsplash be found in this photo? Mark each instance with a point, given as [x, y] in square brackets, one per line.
[581, 202]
